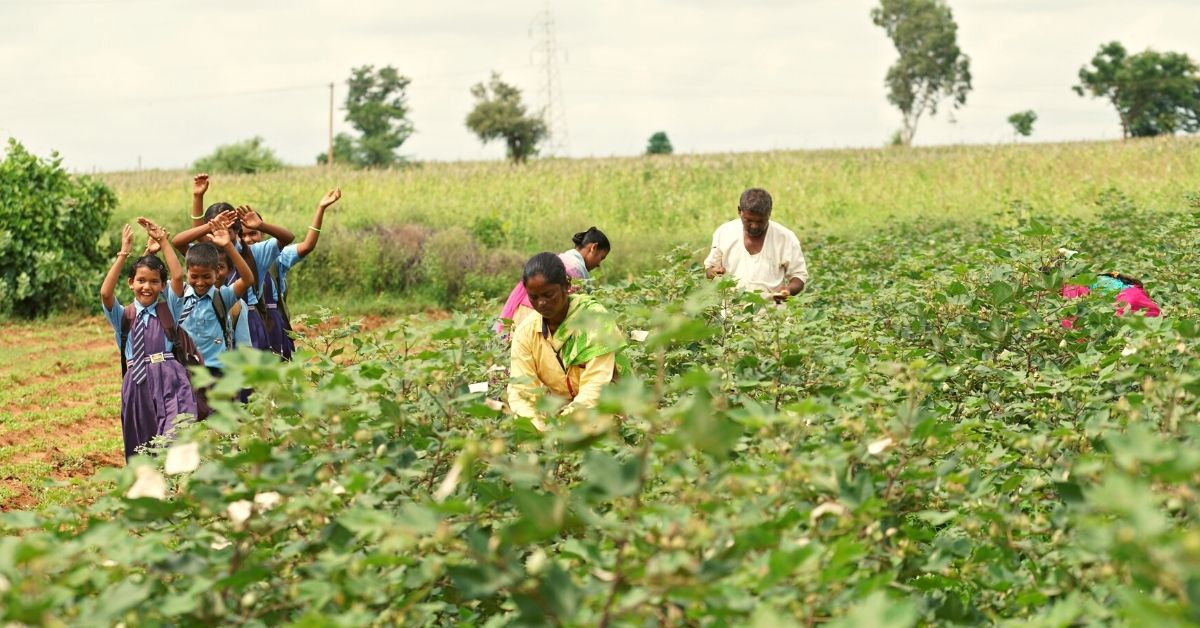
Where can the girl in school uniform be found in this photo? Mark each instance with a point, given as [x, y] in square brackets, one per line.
[275, 289]
[155, 389]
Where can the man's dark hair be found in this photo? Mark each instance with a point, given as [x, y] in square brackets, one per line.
[203, 254]
[755, 201]
[547, 265]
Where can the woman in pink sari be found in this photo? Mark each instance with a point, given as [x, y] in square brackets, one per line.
[591, 247]
[1129, 294]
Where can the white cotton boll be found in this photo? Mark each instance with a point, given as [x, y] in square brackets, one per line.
[879, 446]
[494, 404]
[109, 563]
[267, 501]
[1067, 253]
[639, 335]
[536, 563]
[449, 483]
[336, 488]
[239, 512]
[182, 459]
[828, 508]
[220, 543]
[496, 367]
[5, 585]
[478, 387]
[148, 482]
[1128, 350]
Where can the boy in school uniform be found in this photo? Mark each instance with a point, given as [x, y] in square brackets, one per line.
[205, 302]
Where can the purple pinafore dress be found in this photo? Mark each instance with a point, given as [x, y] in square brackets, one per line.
[277, 336]
[150, 408]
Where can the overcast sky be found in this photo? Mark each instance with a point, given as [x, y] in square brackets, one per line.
[105, 82]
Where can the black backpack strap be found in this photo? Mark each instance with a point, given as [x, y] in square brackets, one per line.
[222, 313]
[127, 316]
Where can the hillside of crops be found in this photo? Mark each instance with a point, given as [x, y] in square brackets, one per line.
[429, 234]
[917, 439]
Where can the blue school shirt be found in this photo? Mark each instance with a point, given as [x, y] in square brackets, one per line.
[241, 329]
[288, 258]
[202, 323]
[264, 253]
[118, 311]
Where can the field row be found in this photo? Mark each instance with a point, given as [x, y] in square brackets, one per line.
[60, 393]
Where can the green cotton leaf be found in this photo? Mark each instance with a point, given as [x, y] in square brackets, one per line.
[19, 520]
[605, 477]
[451, 333]
[707, 431]
[1037, 229]
[243, 577]
[1002, 292]
[879, 610]
[417, 519]
[560, 591]
[766, 616]
[477, 581]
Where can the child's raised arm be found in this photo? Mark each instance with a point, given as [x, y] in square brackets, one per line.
[184, 238]
[314, 230]
[251, 220]
[158, 235]
[199, 187]
[109, 287]
[221, 238]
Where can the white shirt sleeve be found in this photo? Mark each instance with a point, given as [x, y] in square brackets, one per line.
[796, 266]
[715, 258]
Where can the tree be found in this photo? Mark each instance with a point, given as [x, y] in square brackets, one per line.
[50, 225]
[377, 107]
[499, 113]
[931, 66]
[1154, 93]
[659, 144]
[245, 157]
[1022, 122]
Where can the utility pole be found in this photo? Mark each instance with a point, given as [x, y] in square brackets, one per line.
[553, 112]
[329, 155]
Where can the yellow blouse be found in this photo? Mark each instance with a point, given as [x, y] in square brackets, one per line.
[534, 359]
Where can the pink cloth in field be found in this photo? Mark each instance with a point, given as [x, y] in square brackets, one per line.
[1130, 299]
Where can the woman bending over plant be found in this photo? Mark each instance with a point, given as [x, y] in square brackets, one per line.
[566, 348]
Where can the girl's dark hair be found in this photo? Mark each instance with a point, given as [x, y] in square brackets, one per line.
[153, 263]
[220, 208]
[592, 236]
[547, 265]
[203, 254]
[1133, 281]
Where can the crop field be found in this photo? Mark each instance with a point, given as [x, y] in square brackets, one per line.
[377, 251]
[59, 409]
[918, 439]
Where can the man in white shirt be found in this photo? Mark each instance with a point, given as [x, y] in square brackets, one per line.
[762, 255]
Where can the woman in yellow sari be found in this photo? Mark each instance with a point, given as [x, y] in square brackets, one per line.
[566, 348]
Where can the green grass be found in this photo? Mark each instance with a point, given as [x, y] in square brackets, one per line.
[646, 205]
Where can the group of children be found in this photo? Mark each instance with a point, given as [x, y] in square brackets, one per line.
[230, 292]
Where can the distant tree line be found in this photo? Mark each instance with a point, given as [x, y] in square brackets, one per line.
[1154, 93]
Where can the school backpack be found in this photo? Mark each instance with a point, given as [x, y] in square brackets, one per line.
[222, 312]
[281, 302]
[182, 346]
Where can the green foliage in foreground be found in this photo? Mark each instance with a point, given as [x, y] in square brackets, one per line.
[50, 223]
[916, 440]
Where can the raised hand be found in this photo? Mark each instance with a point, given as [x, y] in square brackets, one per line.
[220, 237]
[199, 184]
[126, 239]
[224, 220]
[156, 233]
[330, 198]
[152, 246]
[250, 218]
